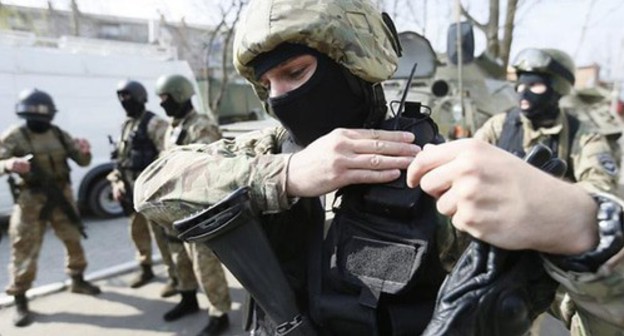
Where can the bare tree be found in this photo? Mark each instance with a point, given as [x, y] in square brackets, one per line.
[498, 47]
[225, 58]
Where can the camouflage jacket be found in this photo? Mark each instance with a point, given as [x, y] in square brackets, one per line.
[597, 305]
[194, 128]
[593, 162]
[155, 130]
[189, 178]
[50, 151]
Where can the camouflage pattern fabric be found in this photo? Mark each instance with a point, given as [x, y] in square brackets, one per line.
[26, 230]
[189, 178]
[593, 160]
[594, 303]
[362, 43]
[197, 263]
[193, 128]
[139, 226]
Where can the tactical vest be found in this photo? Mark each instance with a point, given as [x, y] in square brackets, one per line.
[377, 270]
[140, 150]
[512, 136]
[52, 159]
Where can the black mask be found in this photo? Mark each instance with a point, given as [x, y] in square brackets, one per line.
[133, 108]
[175, 109]
[325, 102]
[543, 108]
[38, 126]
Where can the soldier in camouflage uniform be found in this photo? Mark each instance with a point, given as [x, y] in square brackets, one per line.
[544, 77]
[538, 119]
[192, 261]
[38, 152]
[141, 139]
[314, 63]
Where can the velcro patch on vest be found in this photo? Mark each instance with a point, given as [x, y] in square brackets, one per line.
[387, 266]
[608, 164]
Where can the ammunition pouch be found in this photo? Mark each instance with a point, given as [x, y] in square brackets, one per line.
[232, 223]
[380, 266]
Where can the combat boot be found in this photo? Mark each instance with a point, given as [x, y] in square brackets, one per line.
[22, 314]
[80, 286]
[216, 326]
[143, 278]
[187, 306]
[169, 289]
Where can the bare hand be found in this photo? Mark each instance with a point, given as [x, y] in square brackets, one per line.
[349, 156]
[118, 191]
[498, 198]
[19, 165]
[83, 145]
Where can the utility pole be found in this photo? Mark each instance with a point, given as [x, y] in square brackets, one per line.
[75, 17]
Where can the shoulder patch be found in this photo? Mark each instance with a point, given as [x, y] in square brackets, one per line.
[608, 164]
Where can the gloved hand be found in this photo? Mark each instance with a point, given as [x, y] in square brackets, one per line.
[491, 291]
[541, 157]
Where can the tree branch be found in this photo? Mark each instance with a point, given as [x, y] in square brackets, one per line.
[470, 18]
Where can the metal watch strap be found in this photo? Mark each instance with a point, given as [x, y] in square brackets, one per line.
[611, 239]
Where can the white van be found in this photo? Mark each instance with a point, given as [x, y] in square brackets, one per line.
[82, 75]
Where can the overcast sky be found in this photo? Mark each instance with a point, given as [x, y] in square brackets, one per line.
[539, 23]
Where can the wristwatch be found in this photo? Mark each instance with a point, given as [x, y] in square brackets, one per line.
[610, 240]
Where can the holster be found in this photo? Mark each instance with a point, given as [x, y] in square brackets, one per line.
[233, 232]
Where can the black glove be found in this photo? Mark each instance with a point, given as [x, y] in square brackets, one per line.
[491, 291]
[541, 157]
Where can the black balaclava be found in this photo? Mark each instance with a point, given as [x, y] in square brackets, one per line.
[132, 107]
[175, 109]
[328, 100]
[38, 126]
[543, 108]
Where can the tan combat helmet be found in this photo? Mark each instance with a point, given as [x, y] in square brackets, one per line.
[178, 87]
[552, 62]
[351, 32]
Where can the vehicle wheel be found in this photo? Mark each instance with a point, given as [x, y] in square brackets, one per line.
[100, 200]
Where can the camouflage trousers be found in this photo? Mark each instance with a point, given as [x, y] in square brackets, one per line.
[141, 231]
[197, 266]
[26, 233]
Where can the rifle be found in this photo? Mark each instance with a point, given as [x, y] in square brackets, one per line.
[42, 182]
[126, 201]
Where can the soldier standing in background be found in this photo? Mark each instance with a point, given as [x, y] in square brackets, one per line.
[544, 76]
[140, 142]
[38, 153]
[193, 261]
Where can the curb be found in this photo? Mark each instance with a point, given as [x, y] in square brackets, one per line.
[7, 301]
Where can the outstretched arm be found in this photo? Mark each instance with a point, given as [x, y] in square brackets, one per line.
[497, 198]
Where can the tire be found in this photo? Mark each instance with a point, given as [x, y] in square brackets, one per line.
[100, 200]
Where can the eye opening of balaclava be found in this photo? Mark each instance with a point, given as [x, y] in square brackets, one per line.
[543, 107]
[331, 98]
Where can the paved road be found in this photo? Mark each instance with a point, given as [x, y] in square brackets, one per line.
[118, 311]
[108, 245]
